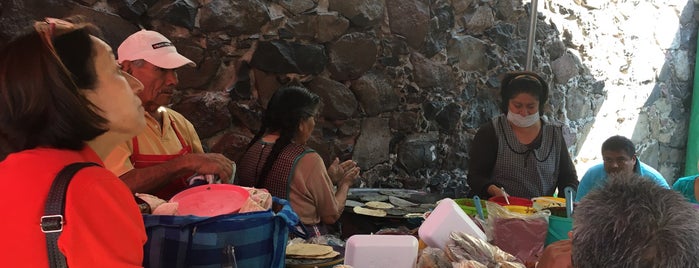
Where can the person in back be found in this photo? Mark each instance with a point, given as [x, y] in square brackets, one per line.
[63, 99]
[278, 160]
[688, 187]
[619, 156]
[159, 160]
[629, 221]
[518, 152]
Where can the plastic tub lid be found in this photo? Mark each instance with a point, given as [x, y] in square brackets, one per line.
[210, 200]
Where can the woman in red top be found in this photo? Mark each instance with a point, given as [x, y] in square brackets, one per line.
[63, 99]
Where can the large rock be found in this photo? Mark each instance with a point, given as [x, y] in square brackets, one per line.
[431, 74]
[410, 19]
[456, 153]
[338, 100]
[182, 13]
[565, 68]
[481, 20]
[297, 6]
[501, 33]
[579, 103]
[449, 117]
[237, 17]
[352, 55]
[373, 144]
[406, 122]
[246, 113]
[682, 64]
[363, 13]
[199, 76]
[207, 111]
[469, 53]
[231, 144]
[375, 92]
[323, 27]
[417, 153]
[439, 30]
[289, 57]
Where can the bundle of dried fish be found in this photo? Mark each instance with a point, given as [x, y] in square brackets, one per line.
[433, 258]
[465, 247]
[468, 264]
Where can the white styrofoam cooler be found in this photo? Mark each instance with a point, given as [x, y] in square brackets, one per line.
[447, 217]
[381, 251]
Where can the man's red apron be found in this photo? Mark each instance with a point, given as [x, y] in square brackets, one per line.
[146, 160]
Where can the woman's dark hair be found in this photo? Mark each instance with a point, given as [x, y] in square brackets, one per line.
[619, 144]
[285, 110]
[531, 83]
[41, 75]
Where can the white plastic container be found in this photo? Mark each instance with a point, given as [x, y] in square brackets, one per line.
[381, 251]
[447, 217]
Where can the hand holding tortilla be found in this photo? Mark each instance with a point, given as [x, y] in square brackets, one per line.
[337, 170]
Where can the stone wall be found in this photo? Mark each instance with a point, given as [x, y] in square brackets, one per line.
[406, 83]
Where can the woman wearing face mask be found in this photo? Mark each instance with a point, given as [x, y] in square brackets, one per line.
[519, 151]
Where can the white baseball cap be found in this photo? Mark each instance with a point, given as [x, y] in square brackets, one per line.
[152, 47]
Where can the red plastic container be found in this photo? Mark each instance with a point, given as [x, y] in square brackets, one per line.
[518, 201]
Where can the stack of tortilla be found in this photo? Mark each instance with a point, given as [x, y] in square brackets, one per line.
[310, 251]
[397, 207]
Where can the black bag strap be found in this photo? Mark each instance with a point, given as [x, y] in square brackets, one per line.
[54, 210]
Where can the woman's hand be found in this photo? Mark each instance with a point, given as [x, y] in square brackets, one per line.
[493, 190]
[350, 176]
[337, 170]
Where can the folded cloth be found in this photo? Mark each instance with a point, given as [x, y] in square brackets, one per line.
[259, 200]
[158, 206]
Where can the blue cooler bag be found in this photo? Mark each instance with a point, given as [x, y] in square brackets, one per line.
[259, 238]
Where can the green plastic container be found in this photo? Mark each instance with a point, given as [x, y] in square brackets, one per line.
[558, 229]
[468, 206]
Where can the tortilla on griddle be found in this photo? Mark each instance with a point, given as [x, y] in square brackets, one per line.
[303, 250]
[352, 203]
[399, 193]
[332, 254]
[399, 202]
[415, 209]
[396, 212]
[378, 205]
[369, 212]
[373, 197]
[428, 206]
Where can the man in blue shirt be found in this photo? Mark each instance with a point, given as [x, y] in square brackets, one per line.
[619, 156]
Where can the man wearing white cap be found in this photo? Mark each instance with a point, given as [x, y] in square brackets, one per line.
[159, 160]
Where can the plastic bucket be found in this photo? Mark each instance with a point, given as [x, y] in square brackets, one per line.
[559, 225]
[468, 206]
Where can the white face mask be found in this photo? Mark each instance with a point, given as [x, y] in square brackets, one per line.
[522, 121]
